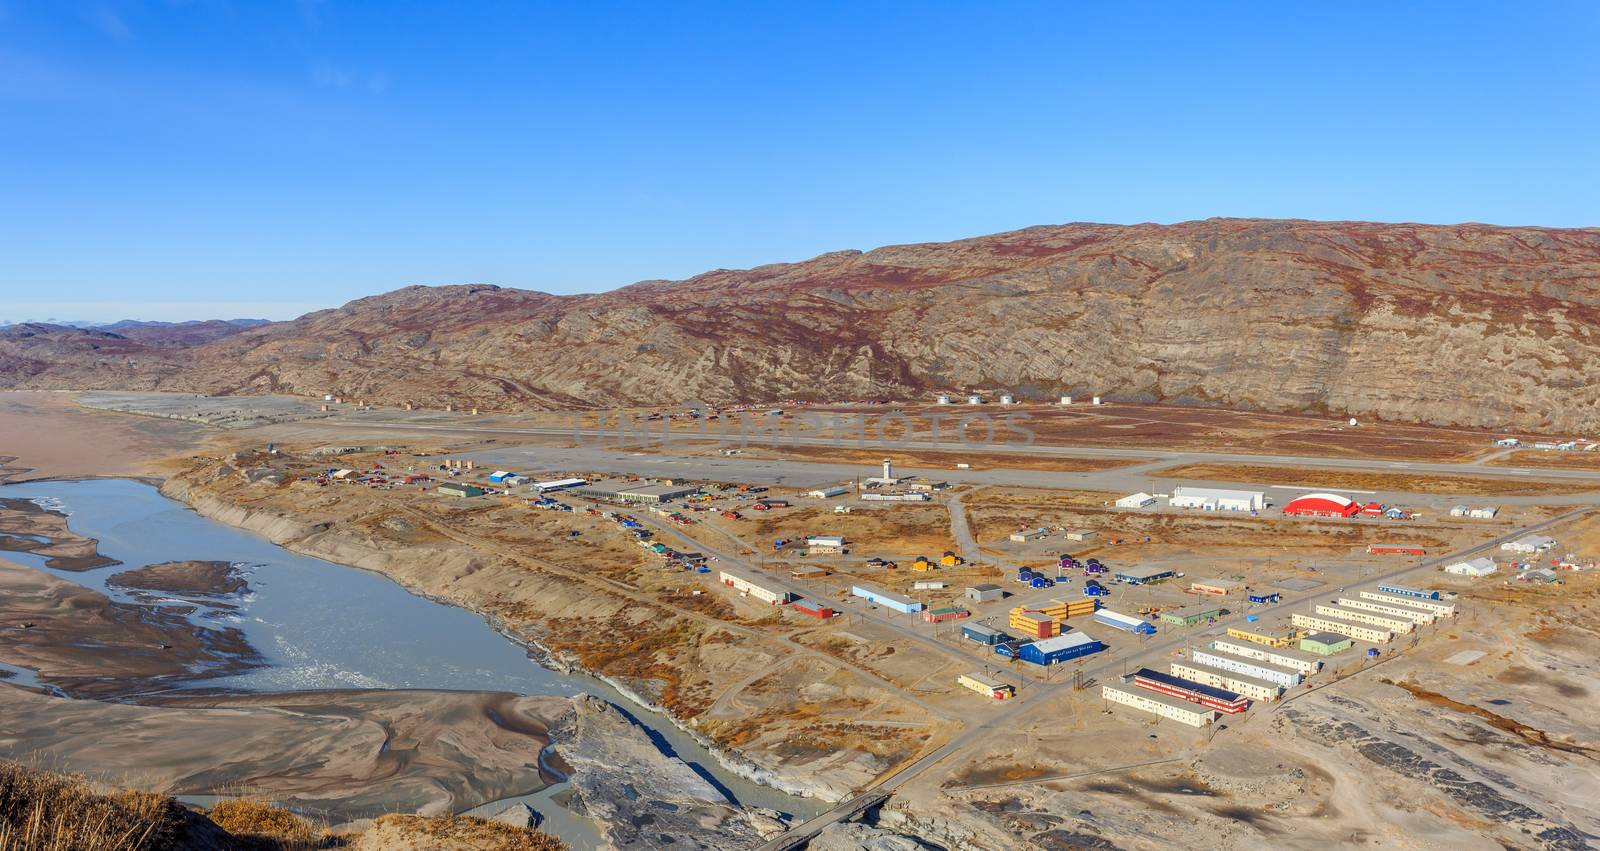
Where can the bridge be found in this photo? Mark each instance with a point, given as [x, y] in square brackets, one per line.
[797, 836]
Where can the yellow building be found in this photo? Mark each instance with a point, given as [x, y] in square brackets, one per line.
[1358, 631]
[1061, 610]
[1270, 635]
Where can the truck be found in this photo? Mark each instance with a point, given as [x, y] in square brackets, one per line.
[1123, 622]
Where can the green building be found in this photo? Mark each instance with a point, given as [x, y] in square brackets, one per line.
[1325, 643]
[1191, 615]
[453, 489]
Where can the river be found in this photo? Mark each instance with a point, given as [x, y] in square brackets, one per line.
[321, 625]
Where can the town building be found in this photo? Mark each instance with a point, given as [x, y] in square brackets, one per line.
[1061, 648]
[928, 585]
[984, 684]
[644, 493]
[825, 540]
[558, 485]
[1473, 567]
[985, 592]
[1137, 500]
[1191, 615]
[1276, 634]
[1396, 625]
[1218, 587]
[1144, 575]
[1321, 505]
[1443, 610]
[828, 492]
[895, 496]
[1321, 623]
[1117, 620]
[1033, 624]
[983, 634]
[886, 599]
[1217, 499]
[1391, 610]
[1404, 591]
[457, 489]
[1395, 550]
[1173, 709]
[1285, 677]
[750, 586]
[812, 608]
[1028, 535]
[1529, 544]
[1282, 657]
[1325, 643]
[1211, 697]
[1080, 534]
[1251, 687]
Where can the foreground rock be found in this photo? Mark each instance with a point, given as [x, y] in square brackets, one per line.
[641, 797]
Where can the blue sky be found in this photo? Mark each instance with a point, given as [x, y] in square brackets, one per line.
[169, 160]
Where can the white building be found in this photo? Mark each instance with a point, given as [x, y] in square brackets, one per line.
[1417, 616]
[1181, 711]
[1487, 512]
[1287, 658]
[908, 496]
[1137, 500]
[1027, 535]
[1249, 667]
[1508, 441]
[1359, 631]
[1529, 544]
[1217, 499]
[825, 541]
[1392, 623]
[1066, 401]
[1472, 567]
[1237, 683]
[944, 399]
[756, 588]
[828, 492]
[888, 477]
[1443, 610]
[974, 399]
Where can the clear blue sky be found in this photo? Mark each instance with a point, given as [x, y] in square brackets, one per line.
[167, 159]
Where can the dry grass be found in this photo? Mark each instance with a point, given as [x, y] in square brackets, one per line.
[266, 826]
[464, 832]
[1403, 482]
[43, 811]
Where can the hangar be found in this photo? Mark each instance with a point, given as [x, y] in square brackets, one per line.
[1322, 505]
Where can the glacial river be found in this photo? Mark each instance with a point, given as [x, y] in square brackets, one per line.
[321, 625]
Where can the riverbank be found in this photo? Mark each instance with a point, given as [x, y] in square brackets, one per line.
[664, 650]
[337, 778]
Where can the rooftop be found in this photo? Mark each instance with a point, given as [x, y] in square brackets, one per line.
[1327, 637]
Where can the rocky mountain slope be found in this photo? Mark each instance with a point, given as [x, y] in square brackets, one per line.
[1460, 324]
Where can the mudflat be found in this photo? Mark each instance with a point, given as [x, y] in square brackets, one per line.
[89, 645]
[47, 435]
[209, 578]
[345, 754]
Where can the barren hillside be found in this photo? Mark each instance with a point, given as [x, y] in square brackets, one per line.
[1461, 324]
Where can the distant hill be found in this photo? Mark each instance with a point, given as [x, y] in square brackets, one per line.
[1457, 324]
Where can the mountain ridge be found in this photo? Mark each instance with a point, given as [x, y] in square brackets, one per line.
[1401, 321]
